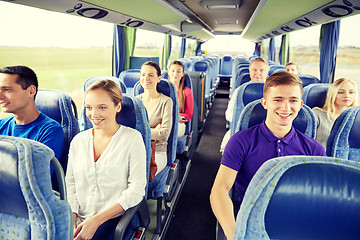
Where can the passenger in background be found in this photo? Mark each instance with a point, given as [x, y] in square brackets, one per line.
[18, 88]
[186, 98]
[159, 108]
[292, 68]
[106, 173]
[259, 70]
[247, 150]
[341, 95]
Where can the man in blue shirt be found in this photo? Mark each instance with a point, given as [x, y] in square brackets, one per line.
[18, 88]
[247, 150]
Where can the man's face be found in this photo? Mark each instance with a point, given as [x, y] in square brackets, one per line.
[258, 71]
[282, 103]
[13, 98]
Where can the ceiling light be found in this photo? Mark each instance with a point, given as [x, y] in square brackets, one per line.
[221, 4]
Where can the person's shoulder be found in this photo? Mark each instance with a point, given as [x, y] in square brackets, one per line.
[307, 139]
[46, 120]
[6, 120]
[165, 98]
[244, 134]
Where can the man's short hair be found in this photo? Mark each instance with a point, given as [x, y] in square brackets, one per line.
[26, 76]
[282, 78]
[259, 59]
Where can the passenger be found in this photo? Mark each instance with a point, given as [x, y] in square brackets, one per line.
[186, 98]
[341, 95]
[18, 88]
[247, 150]
[106, 173]
[259, 70]
[292, 68]
[159, 108]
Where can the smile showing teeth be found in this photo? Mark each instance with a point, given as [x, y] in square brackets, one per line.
[284, 115]
[3, 104]
[96, 122]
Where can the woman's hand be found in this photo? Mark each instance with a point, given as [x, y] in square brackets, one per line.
[86, 229]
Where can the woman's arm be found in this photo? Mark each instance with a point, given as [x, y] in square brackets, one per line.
[162, 132]
[189, 104]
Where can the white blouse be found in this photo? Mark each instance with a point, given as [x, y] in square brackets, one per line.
[118, 176]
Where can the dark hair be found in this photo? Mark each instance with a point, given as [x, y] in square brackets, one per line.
[154, 65]
[26, 76]
[282, 78]
[181, 86]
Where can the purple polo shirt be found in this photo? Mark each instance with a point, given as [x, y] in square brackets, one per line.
[247, 150]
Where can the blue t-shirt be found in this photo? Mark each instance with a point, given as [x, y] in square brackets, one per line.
[248, 149]
[43, 129]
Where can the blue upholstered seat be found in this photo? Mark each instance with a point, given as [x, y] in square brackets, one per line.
[60, 107]
[226, 66]
[130, 78]
[254, 113]
[247, 93]
[169, 175]
[314, 94]
[118, 81]
[343, 141]
[308, 79]
[275, 68]
[302, 197]
[29, 209]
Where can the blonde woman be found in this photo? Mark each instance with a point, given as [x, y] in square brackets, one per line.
[186, 98]
[341, 95]
[106, 172]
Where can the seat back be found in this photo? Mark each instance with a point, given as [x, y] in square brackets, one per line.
[254, 113]
[247, 93]
[343, 141]
[29, 208]
[226, 66]
[60, 107]
[275, 68]
[130, 78]
[308, 79]
[168, 89]
[118, 81]
[302, 197]
[314, 94]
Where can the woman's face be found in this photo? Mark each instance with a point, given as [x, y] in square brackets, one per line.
[149, 78]
[100, 108]
[176, 72]
[345, 95]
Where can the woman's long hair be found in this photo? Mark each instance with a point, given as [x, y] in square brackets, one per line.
[329, 106]
[181, 90]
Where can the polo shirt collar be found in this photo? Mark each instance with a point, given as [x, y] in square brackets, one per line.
[272, 138]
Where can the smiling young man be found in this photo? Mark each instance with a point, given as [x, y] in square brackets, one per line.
[247, 150]
[18, 88]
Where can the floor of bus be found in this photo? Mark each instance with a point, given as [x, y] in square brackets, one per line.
[193, 217]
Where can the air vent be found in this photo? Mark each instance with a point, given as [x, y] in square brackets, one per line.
[227, 21]
[221, 4]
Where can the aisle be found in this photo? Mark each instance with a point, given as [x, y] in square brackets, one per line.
[193, 218]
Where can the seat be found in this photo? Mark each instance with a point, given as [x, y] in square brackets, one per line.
[247, 93]
[60, 107]
[203, 66]
[302, 197]
[254, 113]
[275, 68]
[118, 81]
[133, 114]
[29, 209]
[308, 79]
[164, 184]
[130, 78]
[314, 94]
[343, 141]
[226, 67]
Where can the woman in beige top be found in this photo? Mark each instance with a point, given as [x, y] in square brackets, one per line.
[159, 108]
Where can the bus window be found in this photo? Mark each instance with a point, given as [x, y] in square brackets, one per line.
[190, 48]
[175, 48]
[304, 51]
[148, 44]
[63, 51]
[347, 60]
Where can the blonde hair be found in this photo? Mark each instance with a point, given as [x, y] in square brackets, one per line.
[110, 87]
[329, 106]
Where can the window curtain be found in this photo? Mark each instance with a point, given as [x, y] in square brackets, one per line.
[166, 51]
[271, 50]
[198, 49]
[329, 39]
[183, 48]
[257, 50]
[284, 49]
[123, 48]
